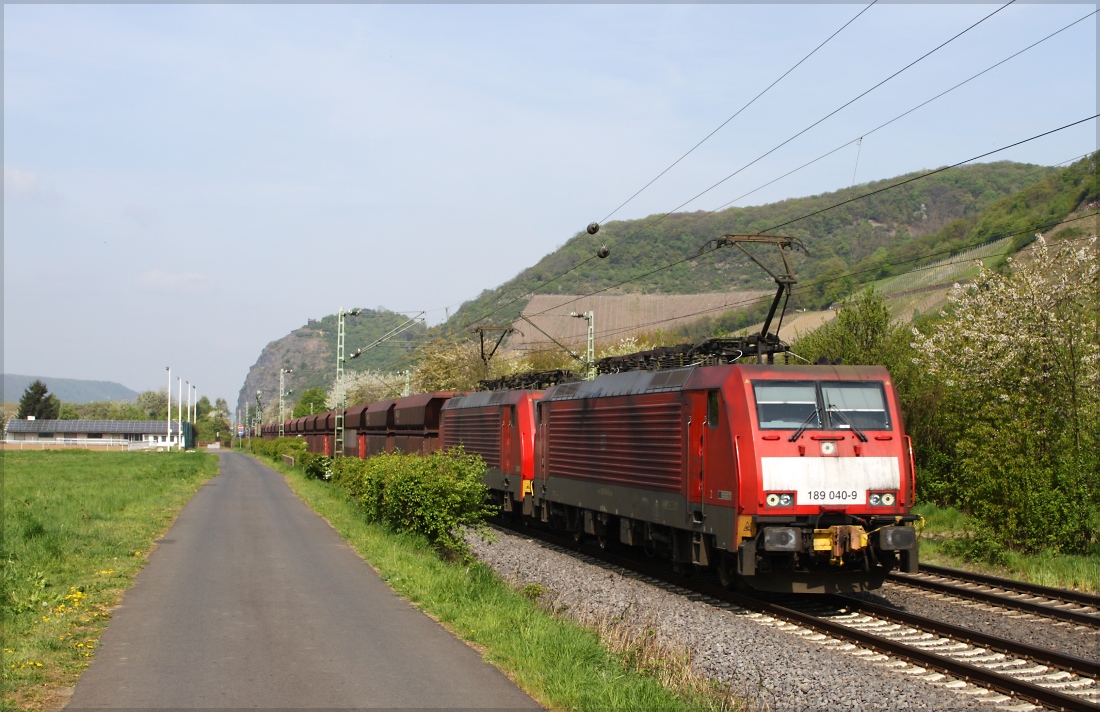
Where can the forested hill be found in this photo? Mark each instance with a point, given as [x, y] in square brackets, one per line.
[866, 231]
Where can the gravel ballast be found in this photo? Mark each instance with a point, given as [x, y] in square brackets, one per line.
[771, 663]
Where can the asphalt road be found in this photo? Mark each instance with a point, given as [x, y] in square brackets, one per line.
[252, 600]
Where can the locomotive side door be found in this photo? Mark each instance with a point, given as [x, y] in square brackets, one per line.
[718, 452]
[696, 428]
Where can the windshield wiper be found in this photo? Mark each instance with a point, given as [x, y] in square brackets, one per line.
[805, 424]
[846, 419]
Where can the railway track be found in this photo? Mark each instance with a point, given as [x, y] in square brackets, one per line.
[1072, 606]
[921, 646]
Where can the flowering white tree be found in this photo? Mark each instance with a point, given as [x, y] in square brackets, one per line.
[365, 387]
[1019, 358]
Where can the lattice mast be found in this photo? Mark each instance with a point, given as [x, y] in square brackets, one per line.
[341, 395]
[283, 393]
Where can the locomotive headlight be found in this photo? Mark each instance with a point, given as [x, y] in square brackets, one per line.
[773, 500]
[887, 500]
[782, 539]
[785, 500]
[896, 538]
[875, 500]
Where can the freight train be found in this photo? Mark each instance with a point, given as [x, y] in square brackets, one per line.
[778, 477]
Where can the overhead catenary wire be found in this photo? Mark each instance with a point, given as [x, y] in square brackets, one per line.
[819, 121]
[729, 306]
[662, 216]
[737, 113]
[902, 115]
[922, 176]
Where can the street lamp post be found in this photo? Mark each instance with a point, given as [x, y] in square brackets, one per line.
[179, 414]
[168, 392]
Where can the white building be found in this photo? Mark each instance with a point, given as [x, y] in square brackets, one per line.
[95, 434]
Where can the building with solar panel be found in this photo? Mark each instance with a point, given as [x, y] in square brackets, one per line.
[96, 434]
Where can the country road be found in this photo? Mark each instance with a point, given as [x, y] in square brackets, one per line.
[252, 600]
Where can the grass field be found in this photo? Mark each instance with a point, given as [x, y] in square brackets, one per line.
[944, 528]
[559, 663]
[78, 527]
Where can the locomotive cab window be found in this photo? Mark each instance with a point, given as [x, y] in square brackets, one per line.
[713, 410]
[859, 405]
[781, 405]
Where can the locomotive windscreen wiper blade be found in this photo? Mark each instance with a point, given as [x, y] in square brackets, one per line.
[802, 428]
[846, 419]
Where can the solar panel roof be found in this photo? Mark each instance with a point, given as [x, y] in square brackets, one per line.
[122, 427]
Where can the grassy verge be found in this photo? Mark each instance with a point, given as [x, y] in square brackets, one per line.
[944, 542]
[78, 527]
[559, 663]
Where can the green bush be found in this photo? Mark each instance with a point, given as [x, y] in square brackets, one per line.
[435, 496]
[318, 466]
[275, 449]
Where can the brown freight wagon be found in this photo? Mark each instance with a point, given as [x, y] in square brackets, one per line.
[416, 421]
[355, 434]
[378, 428]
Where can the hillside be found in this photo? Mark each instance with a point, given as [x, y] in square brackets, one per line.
[616, 317]
[861, 233]
[952, 254]
[310, 352]
[68, 390]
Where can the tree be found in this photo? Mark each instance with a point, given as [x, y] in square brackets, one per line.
[448, 366]
[154, 404]
[202, 408]
[38, 402]
[1019, 359]
[311, 401]
[369, 386]
[68, 412]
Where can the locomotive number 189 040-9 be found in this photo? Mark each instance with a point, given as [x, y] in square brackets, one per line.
[839, 496]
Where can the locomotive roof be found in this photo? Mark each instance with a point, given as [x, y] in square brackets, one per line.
[481, 399]
[676, 379]
[623, 384]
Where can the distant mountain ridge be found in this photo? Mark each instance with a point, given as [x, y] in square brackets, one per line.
[68, 390]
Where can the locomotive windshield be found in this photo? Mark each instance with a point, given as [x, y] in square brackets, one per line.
[813, 405]
[787, 405]
[855, 404]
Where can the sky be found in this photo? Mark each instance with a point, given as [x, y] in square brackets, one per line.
[184, 184]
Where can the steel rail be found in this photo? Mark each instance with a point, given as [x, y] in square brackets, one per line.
[1064, 594]
[964, 671]
[1072, 663]
[1004, 599]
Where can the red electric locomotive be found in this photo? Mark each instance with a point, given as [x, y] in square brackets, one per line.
[500, 427]
[784, 478]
